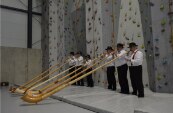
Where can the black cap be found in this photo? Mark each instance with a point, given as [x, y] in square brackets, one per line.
[109, 48]
[120, 45]
[79, 52]
[88, 56]
[71, 53]
[132, 44]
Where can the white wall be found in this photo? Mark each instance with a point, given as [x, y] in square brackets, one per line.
[14, 24]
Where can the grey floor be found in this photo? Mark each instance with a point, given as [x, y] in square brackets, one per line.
[13, 104]
[115, 102]
[97, 98]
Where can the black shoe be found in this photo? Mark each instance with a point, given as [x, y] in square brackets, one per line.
[109, 87]
[125, 92]
[134, 93]
[141, 96]
[114, 89]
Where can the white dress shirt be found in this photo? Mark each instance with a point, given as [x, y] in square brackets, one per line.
[121, 60]
[109, 57]
[79, 61]
[88, 63]
[136, 58]
[71, 61]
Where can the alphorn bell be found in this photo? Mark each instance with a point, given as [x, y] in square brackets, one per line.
[22, 89]
[35, 98]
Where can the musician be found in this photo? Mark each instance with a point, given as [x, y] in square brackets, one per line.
[88, 63]
[79, 63]
[110, 69]
[72, 63]
[136, 60]
[122, 68]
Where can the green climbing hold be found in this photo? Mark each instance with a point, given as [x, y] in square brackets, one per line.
[163, 30]
[142, 46]
[121, 7]
[130, 3]
[159, 77]
[139, 35]
[161, 7]
[163, 22]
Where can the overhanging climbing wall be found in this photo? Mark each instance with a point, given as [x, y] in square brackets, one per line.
[130, 29]
[158, 42]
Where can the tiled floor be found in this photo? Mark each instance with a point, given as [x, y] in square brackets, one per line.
[12, 104]
[111, 101]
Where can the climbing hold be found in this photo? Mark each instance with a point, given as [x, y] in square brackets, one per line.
[166, 83]
[139, 35]
[157, 54]
[134, 21]
[163, 22]
[163, 30]
[138, 25]
[142, 46]
[161, 7]
[164, 61]
[130, 2]
[159, 77]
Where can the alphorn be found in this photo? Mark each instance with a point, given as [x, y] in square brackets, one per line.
[35, 98]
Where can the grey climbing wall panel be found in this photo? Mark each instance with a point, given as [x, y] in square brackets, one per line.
[158, 40]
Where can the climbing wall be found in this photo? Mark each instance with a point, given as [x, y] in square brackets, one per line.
[45, 35]
[110, 21]
[70, 43]
[74, 22]
[148, 40]
[130, 29]
[101, 30]
[161, 44]
[53, 32]
[94, 33]
[78, 28]
[92, 25]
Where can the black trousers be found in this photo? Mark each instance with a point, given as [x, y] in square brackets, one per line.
[136, 80]
[122, 77]
[90, 82]
[111, 77]
[71, 70]
[80, 82]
